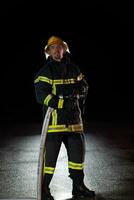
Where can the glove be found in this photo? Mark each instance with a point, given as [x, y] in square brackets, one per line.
[70, 103]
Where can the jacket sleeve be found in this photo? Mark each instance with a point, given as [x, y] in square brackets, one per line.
[82, 86]
[82, 91]
[44, 92]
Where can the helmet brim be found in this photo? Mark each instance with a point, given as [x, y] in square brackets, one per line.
[64, 45]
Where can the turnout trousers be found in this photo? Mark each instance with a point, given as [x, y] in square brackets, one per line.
[75, 147]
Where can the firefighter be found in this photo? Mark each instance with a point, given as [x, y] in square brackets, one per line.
[61, 85]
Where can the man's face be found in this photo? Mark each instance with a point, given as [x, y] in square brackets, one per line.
[56, 51]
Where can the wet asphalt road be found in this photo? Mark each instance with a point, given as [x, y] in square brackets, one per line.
[109, 164]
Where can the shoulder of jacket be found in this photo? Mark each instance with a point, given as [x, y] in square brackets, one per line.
[45, 71]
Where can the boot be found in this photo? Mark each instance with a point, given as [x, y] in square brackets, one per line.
[81, 191]
[46, 195]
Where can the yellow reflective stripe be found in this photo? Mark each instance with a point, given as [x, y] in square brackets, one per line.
[76, 127]
[58, 126]
[43, 79]
[54, 89]
[56, 81]
[64, 81]
[47, 99]
[64, 128]
[80, 77]
[60, 103]
[49, 170]
[54, 117]
[77, 166]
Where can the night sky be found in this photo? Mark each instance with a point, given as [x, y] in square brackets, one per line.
[101, 41]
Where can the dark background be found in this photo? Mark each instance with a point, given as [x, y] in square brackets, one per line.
[101, 40]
